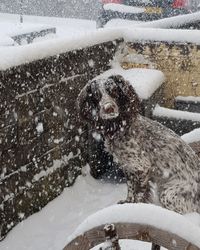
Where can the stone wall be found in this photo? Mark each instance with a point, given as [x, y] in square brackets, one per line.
[178, 61]
[41, 149]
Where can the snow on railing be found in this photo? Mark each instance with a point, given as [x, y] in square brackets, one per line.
[13, 56]
[169, 227]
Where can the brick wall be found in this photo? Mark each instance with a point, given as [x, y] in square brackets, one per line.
[41, 148]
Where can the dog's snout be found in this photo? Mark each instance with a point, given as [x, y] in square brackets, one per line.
[109, 108]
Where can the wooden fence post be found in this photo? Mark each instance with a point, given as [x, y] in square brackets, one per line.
[111, 237]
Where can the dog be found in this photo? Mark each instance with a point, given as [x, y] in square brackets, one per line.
[159, 166]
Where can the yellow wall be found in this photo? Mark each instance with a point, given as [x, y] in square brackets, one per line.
[179, 62]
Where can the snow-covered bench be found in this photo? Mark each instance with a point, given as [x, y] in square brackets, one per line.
[143, 222]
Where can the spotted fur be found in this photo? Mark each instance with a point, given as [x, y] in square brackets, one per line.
[160, 167]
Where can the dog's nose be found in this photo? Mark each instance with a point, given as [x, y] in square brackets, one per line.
[109, 108]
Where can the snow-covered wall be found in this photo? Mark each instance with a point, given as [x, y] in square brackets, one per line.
[40, 132]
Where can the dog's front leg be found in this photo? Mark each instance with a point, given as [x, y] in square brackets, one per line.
[142, 186]
[131, 189]
[138, 188]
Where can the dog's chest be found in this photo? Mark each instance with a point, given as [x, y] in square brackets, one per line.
[128, 153]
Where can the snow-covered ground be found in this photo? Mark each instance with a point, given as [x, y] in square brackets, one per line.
[66, 27]
[50, 228]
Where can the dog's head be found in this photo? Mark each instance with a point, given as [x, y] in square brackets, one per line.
[109, 105]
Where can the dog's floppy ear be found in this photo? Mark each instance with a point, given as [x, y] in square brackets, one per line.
[129, 92]
[84, 103]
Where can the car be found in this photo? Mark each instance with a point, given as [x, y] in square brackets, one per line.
[141, 10]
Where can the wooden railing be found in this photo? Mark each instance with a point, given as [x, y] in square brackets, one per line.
[131, 231]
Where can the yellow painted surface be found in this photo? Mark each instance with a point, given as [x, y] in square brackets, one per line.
[179, 62]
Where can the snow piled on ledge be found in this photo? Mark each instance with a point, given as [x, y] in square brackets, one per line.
[158, 35]
[14, 29]
[175, 21]
[6, 41]
[144, 81]
[193, 136]
[13, 56]
[143, 214]
[194, 99]
[123, 8]
[177, 114]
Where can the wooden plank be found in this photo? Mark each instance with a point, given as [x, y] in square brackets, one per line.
[132, 231]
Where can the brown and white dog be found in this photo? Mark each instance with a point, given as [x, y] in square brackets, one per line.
[160, 167]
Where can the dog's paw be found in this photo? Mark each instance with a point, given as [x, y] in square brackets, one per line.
[129, 200]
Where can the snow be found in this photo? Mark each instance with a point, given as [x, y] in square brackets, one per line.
[68, 31]
[40, 127]
[56, 165]
[188, 98]
[76, 34]
[13, 56]
[123, 8]
[143, 214]
[50, 228]
[13, 29]
[64, 26]
[177, 114]
[6, 40]
[174, 21]
[144, 81]
[122, 23]
[24, 54]
[129, 245]
[193, 136]
[169, 35]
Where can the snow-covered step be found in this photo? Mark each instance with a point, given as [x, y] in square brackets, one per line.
[187, 103]
[179, 121]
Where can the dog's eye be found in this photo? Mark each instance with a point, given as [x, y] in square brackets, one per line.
[111, 88]
[96, 94]
[113, 92]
